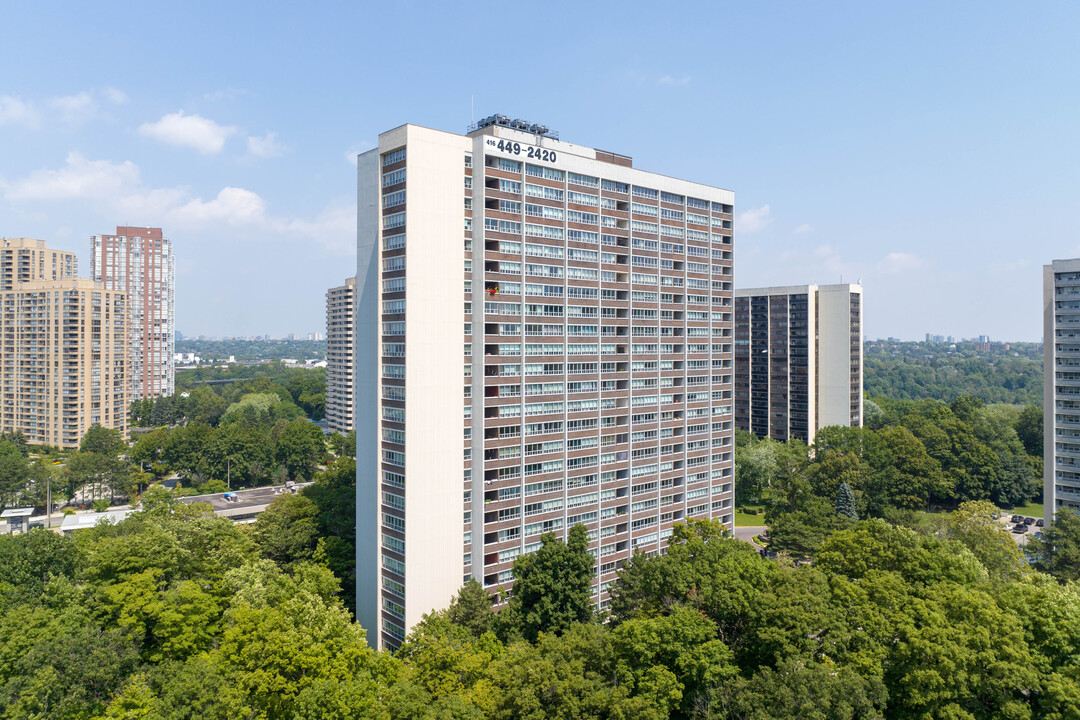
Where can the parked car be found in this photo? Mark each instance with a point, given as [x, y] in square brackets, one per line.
[1029, 521]
[1017, 518]
[1039, 523]
[1020, 528]
[1037, 533]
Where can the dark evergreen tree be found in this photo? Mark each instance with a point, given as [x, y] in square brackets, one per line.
[845, 502]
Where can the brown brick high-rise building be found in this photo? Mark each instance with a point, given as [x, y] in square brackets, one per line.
[138, 261]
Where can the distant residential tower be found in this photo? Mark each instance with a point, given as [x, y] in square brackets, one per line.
[1061, 387]
[798, 359]
[62, 347]
[138, 261]
[340, 356]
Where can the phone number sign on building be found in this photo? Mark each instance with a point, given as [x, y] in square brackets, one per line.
[531, 152]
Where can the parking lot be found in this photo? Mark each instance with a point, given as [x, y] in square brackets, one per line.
[1021, 538]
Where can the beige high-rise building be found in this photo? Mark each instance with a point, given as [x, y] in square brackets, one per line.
[340, 356]
[62, 365]
[138, 261]
[798, 359]
[26, 259]
[543, 339]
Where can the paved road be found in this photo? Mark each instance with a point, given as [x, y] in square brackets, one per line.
[251, 502]
[746, 533]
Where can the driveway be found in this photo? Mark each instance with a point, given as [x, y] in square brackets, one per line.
[747, 532]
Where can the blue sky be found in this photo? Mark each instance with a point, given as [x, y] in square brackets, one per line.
[929, 149]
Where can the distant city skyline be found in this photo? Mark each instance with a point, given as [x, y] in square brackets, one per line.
[924, 150]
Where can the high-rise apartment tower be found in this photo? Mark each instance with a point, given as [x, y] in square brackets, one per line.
[62, 347]
[798, 359]
[340, 356]
[26, 259]
[543, 339]
[138, 261]
[1061, 387]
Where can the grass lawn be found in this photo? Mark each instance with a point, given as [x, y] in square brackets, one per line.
[1034, 510]
[744, 520]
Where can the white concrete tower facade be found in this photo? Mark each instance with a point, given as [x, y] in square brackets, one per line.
[340, 356]
[543, 339]
[1061, 387]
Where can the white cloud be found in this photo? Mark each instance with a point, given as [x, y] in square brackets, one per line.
[265, 147]
[804, 228]
[74, 109]
[192, 131]
[14, 111]
[334, 227]
[235, 206]
[117, 190]
[116, 97]
[753, 220]
[898, 262]
[669, 80]
[79, 178]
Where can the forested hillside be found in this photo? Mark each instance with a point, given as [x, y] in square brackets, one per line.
[174, 613]
[1002, 373]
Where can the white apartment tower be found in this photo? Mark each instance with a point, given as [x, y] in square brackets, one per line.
[543, 339]
[138, 261]
[340, 356]
[798, 359]
[1061, 387]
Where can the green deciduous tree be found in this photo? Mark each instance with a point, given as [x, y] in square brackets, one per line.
[334, 494]
[100, 472]
[1057, 552]
[102, 441]
[973, 524]
[874, 545]
[300, 448]
[287, 532]
[14, 474]
[551, 587]
[1029, 428]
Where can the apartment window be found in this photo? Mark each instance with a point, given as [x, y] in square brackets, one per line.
[394, 156]
[393, 177]
[584, 180]
[543, 191]
[543, 172]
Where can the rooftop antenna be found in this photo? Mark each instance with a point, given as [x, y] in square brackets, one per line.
[472, 108]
